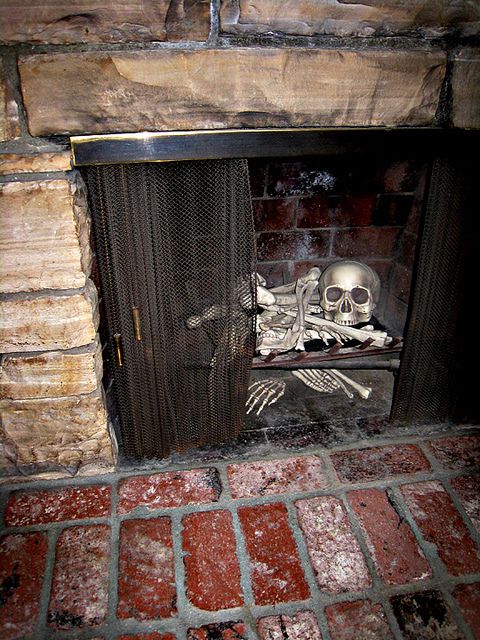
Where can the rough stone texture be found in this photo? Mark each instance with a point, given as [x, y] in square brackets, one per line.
[305, 473]
[169, 489]
[211, 564]
[22, 563]
[302, 626]
[7, 468]
[368, 18]
[9, 123]
[424, 616]
[215, 88]
[442, 525]
[378, 462]
[56, 433]
[458, 452]
[468, 598]
[335, 554]
[49, 322]
[40, 162]
[219, 631]
[398, 558]
[466, 89]
[275, 568]
[468, 491]
[358, 619]
[91, 21]
[55, 505]
[44, 236]
[79, 595]
[51, 374]
[146, 577]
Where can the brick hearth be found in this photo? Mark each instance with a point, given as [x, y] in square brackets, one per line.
[376, 540]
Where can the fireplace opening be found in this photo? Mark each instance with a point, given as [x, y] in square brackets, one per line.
[401, 209]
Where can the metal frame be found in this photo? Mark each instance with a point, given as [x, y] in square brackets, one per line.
[169, 146]
[426, 388]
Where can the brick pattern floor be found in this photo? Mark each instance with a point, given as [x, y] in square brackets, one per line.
[354, 543]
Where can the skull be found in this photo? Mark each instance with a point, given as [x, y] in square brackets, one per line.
[349, 292]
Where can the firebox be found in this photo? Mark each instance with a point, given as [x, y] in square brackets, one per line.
[176, 249]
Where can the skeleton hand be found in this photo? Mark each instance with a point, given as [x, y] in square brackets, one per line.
[264, 393]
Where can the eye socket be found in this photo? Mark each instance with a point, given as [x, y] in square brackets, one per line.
[359, 295]
[333, 294]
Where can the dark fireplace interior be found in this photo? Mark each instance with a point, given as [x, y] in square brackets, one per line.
[402, 209]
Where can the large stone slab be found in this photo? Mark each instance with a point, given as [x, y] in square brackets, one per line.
[466, 89]
[51, 374]
[44, 236]
[56, 432]
[214, 89]
[49, 322]
[11, 163]
[353, 18]
[9, 123]
[107, 21]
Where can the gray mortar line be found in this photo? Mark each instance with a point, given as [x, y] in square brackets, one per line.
[37, 176]
[461, 510]
[214, 22]
[456, 613]
[42, 629]
[111, 616]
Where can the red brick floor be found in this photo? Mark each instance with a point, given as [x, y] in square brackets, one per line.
[369, 541]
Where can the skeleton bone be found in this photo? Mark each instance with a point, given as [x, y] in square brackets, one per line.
[363, 392]
[303, 292]
[380, 338]
[265, 393]
[317, 379]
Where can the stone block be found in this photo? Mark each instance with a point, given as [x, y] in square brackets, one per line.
[27, 508]
[169, 490]
[91, 21]
[275, 568]
[51, 374]
[354, 18]
[358, 619]
[301, 626]
[79, 595]
[22, 566]
[305, 473]
[218, 88]
[44, 236]
[441, 525]
[334, 552]
[424, 615]
[458, 452]
[376, 463]
[397, 557]
[212, 571]
[9, 122]
[49, 322]
[146, 583]
[56, 433]
[466, 89]
[38, 163]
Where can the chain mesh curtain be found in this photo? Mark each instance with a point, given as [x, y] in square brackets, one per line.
[176, 247]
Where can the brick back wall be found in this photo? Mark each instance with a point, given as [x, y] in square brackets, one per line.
[315, 211]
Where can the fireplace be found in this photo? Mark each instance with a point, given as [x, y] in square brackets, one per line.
[316, 205]
[360, 80]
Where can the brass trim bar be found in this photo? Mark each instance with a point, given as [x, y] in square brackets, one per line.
[167, 146]
[137, 325]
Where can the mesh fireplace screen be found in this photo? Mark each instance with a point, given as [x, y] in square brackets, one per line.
[176, 249]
